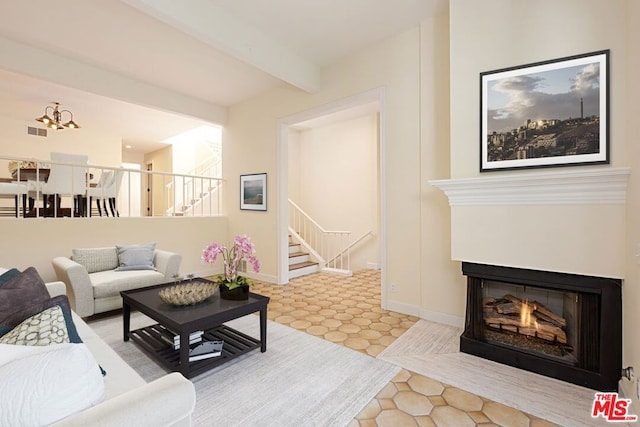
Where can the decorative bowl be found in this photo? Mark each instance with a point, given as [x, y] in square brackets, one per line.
[188, 294]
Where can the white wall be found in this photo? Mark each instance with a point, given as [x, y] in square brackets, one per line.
[334, 169]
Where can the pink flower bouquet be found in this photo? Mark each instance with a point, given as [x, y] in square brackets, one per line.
[242, 248]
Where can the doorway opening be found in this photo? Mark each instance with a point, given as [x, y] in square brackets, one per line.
[291, 183]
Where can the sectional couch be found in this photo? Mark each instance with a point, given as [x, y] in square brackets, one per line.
[121, 397]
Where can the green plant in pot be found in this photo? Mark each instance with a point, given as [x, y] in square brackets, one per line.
[232, 285]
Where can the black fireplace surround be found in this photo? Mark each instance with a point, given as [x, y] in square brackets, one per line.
[596, 320]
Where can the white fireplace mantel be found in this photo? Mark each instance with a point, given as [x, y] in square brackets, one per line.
[576, 186]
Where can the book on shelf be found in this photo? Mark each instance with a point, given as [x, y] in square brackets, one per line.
[206, 350]
[174, 340]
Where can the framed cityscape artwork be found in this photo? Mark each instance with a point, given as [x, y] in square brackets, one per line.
[253, 192]
[552, 113]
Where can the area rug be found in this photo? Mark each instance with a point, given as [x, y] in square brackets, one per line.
[301, 380]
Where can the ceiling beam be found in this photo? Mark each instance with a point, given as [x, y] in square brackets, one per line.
[218, 28]
[52, 67]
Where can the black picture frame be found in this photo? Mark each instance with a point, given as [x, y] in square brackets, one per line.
[253, 192]
[546, 114]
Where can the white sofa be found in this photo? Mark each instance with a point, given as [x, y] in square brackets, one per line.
[94, 283]
[129, 400]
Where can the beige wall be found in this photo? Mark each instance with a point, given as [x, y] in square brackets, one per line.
[568, 238]
[631, 286]
[591, 239]
[293, 140]
[443, 286]
[161, 161]
[35, 242]
[102, 149]
[336, 165]
[415, 139]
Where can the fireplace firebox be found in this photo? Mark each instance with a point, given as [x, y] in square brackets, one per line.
[561, 325]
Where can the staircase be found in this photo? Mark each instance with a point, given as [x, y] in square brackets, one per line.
[196, 191]
[299, 262]
[201, 202]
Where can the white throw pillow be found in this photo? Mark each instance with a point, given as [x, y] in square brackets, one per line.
[42, 385]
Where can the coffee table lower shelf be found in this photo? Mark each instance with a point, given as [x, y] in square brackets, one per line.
[235, 344]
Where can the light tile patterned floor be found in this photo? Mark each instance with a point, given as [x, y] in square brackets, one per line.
[346, 311]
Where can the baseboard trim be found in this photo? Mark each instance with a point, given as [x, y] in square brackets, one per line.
[403, 308]
[444, 318]
[423, 313]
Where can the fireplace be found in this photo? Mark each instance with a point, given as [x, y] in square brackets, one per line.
[564, 326]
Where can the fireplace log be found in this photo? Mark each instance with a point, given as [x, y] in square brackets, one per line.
[543, 330]
[540, 308]
[508, 307]
[542, 315]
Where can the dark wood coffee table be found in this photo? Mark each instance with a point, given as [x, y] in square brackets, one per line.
[208, 316]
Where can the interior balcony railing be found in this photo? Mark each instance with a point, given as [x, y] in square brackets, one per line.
[194, 193]
[34, 188]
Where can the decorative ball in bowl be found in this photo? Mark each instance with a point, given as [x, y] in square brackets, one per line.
[188, 294]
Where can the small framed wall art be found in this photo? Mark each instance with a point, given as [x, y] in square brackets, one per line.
[552, 113]
[253, 192]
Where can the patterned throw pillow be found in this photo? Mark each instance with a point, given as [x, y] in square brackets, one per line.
[96, 259]
[41, 323]
[44, 328]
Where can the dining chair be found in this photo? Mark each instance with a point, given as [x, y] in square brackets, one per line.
[68, 177]
[18, 190]
[113, 192]
[108, 193]
[101, 191]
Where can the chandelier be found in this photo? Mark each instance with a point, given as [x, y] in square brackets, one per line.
[54, 121]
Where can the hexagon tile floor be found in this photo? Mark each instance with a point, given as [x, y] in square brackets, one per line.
[346, 311]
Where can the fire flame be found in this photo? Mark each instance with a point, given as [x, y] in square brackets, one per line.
[526, 318]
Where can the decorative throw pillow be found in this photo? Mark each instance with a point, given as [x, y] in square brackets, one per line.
[40, 324]
[136, 257]
[27, 288]
[8, 275]
[44, 328]
[96, 259]
[42, 385]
